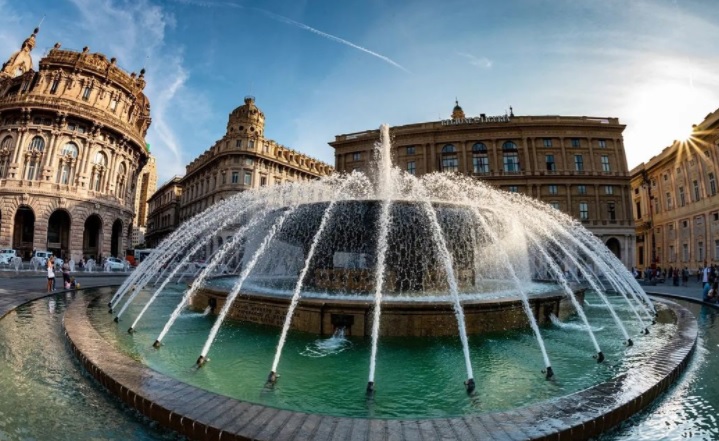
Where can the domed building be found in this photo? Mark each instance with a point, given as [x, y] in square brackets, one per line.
[71, 145]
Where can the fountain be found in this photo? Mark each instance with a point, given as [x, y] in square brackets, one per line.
[387, 256]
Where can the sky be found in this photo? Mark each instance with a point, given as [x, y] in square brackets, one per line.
[320, 68]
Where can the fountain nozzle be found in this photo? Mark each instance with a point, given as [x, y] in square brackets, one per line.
[630, 342]
[109, 305]
[110, 311]
[201, 360]
[131, 330]
[470, 385]
[646, 331]
[600, 357]
[370, 388]
[550, 372]
[654, 322]
[157, 344]
[272, 378]
[116, 320]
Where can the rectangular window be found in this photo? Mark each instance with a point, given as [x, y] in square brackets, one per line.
[700, 252]
[411, 167]
[113, 104]
[605, 163]
[602, 143]
[357, 156]
[583, 211]
[696, 190]
[682, 201]
[249, 161]
[86, 93]
[263, 181]
[554, 205]
[480, 164]
[410, 150]
[582, 189]
[512, 189]
[511, 162]
[450, 164]
[669, 201]
[251, 144]
[712, 184]
[638, 205]
[553, 189]
[612, 211]
[55, 84]
[608, 189]
[551, 166]
[716, 249]
[547, 142]
[576, 143]
[716, 216]
[248, 178]
[672, 254]
[238, 143]
[685, 253]
[235, 177]
[578, 163]
[640, 254]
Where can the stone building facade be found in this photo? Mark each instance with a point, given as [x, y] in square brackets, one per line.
[71, 144]
[146, 187]
[675, 202]
[164, 209]
[243, 159]
[575, 164]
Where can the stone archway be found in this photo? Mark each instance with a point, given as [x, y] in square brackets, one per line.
[615, 247]
[24, 231]
[58, 233]
[91, 239]
[116, 238]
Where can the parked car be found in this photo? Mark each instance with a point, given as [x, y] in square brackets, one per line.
[115, 264]
[7, 255]
[41, 257]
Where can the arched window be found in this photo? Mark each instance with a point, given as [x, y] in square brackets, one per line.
[480, 160]
[98, 171]
[68, 157]
[450, 162]
[33, 158]
[511, 157]
[37, 144]
[120, 182]
[6, 148]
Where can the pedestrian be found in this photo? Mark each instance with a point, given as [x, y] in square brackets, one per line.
[675, 277]
[685, 276]
[50, 276]
[713, 294]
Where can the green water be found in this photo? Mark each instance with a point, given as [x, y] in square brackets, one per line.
[45, 396]
[415, 377]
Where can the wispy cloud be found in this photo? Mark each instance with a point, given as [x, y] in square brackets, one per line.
[138, 40]
[481, 62]
[289, 21]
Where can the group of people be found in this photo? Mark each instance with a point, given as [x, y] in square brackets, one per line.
[710, 284]
[708, 276]
[68, 282]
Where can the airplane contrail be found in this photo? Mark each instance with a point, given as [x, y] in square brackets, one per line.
[289, 21]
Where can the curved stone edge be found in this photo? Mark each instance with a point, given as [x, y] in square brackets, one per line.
[199, 414]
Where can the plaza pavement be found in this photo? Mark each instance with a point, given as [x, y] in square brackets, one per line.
[17, 288]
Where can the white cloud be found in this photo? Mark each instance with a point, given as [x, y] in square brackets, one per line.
[481, 62]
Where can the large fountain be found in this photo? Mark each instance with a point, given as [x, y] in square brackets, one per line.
[363, 257]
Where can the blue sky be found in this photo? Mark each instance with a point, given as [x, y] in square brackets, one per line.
[323, 68]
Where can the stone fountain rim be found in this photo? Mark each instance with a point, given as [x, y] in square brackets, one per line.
[200, 414]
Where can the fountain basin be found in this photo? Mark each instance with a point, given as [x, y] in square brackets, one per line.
[400, 317]
[200, 414]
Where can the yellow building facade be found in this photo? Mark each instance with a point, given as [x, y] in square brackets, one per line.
[675, 202]
[575, 164]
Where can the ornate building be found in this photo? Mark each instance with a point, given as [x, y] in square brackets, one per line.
[675, 201]
[243, 159]
[164, 209]
[575, 164]
[71, 144]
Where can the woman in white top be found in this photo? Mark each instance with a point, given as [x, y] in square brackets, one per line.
[50, 275]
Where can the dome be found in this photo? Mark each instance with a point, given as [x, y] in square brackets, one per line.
[457, 112]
